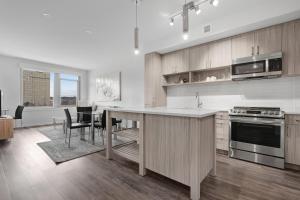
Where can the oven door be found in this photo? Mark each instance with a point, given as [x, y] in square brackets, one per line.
[259, 135]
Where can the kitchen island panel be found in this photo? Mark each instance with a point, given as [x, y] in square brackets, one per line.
[167, 141]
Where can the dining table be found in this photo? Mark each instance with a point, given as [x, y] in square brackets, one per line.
[95, 117]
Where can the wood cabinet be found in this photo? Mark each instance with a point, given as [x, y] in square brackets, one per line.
[243, 45]
[267, 40]
[220, 53]
[291, 48]
[155, 94]
[198, 57]
[222, 131]
[175, 62]
[6, 128]
[292, 139]
[167, 146]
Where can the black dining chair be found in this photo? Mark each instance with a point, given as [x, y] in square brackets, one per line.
[84, 114]
[19, 114]
[101, 125]
[70, 125]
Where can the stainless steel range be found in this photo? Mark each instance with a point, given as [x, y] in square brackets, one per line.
[257, 135]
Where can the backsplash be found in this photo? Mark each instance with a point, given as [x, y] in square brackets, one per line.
[280, 92]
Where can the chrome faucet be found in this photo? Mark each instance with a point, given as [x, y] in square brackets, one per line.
[199, 103]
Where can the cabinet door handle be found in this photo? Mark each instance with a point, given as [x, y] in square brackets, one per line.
[257, 50]
[252, 51]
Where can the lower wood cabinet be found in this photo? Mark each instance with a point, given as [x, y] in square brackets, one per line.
[167, 146]
[6, 128]
[292, 139]
[222, 131]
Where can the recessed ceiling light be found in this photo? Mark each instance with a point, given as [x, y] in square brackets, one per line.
[46, 14]
[88, 32]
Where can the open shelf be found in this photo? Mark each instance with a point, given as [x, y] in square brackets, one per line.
[176, 79]
[128, 150]
[205, 76]
[131, 134]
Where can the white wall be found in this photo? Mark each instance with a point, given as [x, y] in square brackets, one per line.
[132, 83]
[280, 92]
[10, 84]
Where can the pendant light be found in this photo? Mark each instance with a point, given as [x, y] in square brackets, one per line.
[136, 30]
[185, 21]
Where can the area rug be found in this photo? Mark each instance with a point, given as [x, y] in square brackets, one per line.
[59, 152]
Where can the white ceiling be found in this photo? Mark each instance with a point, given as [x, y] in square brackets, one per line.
[64, 36]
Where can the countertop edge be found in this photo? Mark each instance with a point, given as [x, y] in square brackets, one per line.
[206, 113]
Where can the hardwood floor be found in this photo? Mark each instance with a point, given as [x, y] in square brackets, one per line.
[26, 173]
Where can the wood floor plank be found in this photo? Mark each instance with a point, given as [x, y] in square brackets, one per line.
[26, 172]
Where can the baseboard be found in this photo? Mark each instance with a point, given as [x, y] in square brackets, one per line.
[37, 126]
[222, 152]
[292, 166]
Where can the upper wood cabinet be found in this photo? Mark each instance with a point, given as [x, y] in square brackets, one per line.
[198, 57]
[220, 53]
[155, 94]
[291, 48]
[175, 62]
[267, 40]
[243, 45]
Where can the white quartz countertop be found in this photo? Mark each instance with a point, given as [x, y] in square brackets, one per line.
[295, 112]
[180, 112]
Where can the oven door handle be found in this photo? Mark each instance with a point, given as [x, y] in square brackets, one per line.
[265, 122]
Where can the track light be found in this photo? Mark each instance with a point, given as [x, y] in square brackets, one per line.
[214, 2]
[193, 5]
[197, 10]
[172, 22]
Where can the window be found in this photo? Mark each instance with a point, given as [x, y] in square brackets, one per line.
[68, 89]
[36, 88]
[49, 89]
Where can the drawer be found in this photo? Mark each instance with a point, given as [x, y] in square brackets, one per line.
[222, 144]
[219, 144]
[221, 121]
[292, 119]
[222, 115]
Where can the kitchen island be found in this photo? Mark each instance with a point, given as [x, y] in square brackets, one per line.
[176, 143]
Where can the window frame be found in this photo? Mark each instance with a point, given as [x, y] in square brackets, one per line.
[77, 91]
[55, 92]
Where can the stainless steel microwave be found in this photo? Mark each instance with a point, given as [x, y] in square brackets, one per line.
[259, 66]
